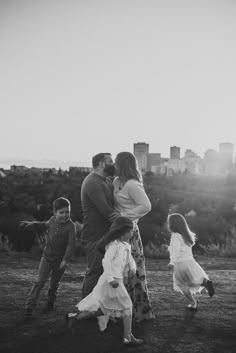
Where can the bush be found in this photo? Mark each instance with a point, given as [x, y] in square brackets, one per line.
[153, 251]
[18, 239]
[228, 249]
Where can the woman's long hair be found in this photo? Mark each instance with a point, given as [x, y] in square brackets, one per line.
[127, 167]
[178, 224]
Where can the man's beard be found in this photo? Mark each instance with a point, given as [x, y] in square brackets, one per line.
[109, 170]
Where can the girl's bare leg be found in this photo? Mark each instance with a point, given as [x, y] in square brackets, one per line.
[85, 315]
[127, 324]
[88, 314]
[190, 297]
[128, 336]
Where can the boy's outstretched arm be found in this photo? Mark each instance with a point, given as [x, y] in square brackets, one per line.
[26, 224]
[36, 226]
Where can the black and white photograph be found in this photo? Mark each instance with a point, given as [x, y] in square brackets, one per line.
[118, 176]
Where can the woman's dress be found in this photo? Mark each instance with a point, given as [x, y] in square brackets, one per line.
[132, 202]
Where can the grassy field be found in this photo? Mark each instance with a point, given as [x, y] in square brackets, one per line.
[211, 329]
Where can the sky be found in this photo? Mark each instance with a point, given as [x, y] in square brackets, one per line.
[79, 77]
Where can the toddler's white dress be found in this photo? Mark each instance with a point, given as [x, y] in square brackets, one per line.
[188, 274]
[114, 302]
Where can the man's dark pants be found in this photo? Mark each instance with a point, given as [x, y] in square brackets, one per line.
[94, 267]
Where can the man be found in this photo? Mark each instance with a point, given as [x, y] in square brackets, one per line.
[98, 213]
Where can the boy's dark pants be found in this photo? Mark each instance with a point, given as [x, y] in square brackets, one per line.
[94, 267]
[45, 268]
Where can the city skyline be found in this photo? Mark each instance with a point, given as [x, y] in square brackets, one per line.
[81, 77]
[47, 163]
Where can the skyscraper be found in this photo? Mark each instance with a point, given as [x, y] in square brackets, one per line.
[226, 151]
[175, 152]
[141, 150]
[211, 162]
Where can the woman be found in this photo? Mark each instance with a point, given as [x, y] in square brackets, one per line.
[131, 201]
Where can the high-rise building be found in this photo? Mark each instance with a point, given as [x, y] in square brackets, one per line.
[141, 150]
[154, 162]
[192, 162]
[175, 152]
[175, 165]
[214, 162]
[226, 151]
[211, 162]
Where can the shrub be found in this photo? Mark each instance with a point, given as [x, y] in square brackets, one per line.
[228, 249]
[153, 251]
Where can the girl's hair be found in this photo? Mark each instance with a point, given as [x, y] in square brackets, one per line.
[127, 167]
[119, 227]
[61, 202]
[177, 224]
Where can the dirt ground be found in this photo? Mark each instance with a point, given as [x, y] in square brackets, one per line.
[211, 329]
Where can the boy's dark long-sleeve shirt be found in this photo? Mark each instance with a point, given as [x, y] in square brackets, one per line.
[97, 205]
[60, 239]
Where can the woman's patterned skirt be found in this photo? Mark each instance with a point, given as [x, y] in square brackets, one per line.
[137, 284]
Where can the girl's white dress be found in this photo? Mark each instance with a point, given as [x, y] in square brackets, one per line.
[114, 302]
[188, 274]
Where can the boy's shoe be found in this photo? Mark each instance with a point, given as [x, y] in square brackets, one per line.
[209, 287]
[28, 313]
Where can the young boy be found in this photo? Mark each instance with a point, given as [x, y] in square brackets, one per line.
[60, 242]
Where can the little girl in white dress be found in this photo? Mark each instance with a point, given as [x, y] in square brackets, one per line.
[188, 276]
[109, 297]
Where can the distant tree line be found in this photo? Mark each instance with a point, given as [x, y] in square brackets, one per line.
[208, 203]
[212, 202]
